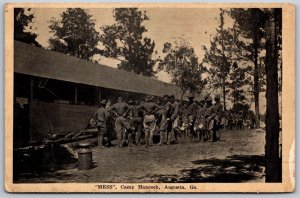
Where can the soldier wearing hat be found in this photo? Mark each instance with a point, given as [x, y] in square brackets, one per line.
[218, 104]
[102, 115]
[205, 98]
[122, 125]
[192, 108]
[130, 102]
[149, 108]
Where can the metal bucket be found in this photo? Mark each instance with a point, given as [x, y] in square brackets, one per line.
[84, 159]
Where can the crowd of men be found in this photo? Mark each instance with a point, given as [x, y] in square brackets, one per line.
[136, 122]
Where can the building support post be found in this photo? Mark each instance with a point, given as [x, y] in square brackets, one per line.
[96, 96]
[30, 99]
[31, 90]
[76, 95]
[99, 94]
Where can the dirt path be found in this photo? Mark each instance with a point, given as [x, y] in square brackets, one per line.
[237, 158]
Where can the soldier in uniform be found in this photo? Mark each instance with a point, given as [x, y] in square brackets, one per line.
[183, 118]
[207, 96]
[240, 118]
[174, 118]
[191, 111]
[136, 121]
[200, 120]
[101, 122]
[230, 121]
[161, 120]
[93, 121]
[122, 125]
[218, 109]
[130, 134]
[149, 122]
[110, 122]
[209, 121]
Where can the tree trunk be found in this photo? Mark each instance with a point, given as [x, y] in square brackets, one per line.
[256, 81]
[234, 100]
[273, 163]
[224, 94]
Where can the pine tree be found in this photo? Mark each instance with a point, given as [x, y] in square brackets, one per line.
[124, 40]
[224, 52]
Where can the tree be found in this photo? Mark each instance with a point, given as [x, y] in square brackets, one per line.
[224, 51]
[238, 80]
[75, 34]
[251, 22]
[273, 43]
[182, 63]
[124, 40]
[237, 107]
[22, 21]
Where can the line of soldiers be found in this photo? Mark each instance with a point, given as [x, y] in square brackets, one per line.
[238, 120]
[137, 122]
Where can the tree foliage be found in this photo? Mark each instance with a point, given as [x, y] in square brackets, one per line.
[182, 64]
[251, 23]
[22, 22]
[238, 80]
[124, 40]
[74, 34]
[221, 59]
[237, 107]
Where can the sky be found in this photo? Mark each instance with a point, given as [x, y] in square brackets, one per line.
[196, 25]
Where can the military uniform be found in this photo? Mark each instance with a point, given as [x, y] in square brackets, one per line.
[209, 121]
[169, 111]
[149, 121]
[200, 122]
[218, 109]
[209, 114]
[93, 121]
[192, 111]
[110, 122]
[137, 122]
[249, 120]
[174, 120]
[240, 118]
[101, 115]
[162, 124]
[184, 119]
[122, 124]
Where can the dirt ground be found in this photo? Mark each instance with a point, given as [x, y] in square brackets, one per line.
[238, 157]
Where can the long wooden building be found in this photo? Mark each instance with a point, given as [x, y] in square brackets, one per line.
[55, 92]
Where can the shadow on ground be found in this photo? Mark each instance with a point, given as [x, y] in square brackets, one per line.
[235, 168]
[42, 163]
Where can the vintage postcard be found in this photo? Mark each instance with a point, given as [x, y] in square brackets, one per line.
[157, 98]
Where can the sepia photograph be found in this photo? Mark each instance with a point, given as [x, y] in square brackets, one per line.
[150, 98]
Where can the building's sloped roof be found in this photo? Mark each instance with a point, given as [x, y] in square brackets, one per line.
[40, 62]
